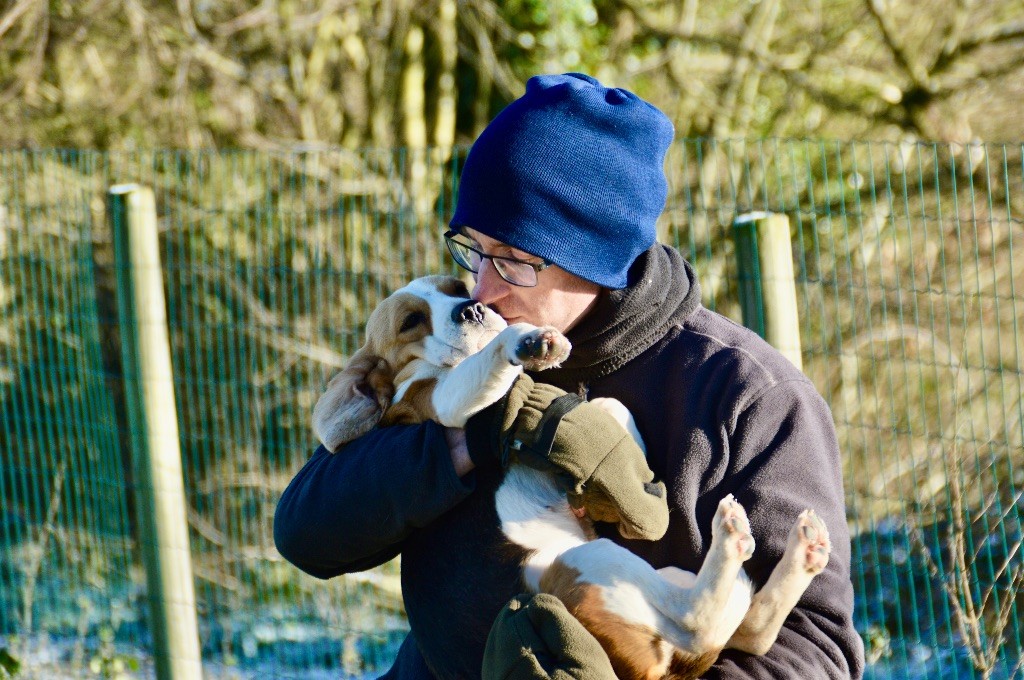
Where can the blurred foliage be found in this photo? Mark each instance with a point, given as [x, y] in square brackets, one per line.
[255, 248]
[194, 73]
[9, 665]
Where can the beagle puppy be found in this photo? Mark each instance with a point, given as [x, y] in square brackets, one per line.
[431, 352]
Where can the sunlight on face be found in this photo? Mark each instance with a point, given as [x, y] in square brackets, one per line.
[559, 299]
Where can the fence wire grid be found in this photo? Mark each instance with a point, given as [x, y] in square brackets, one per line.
[906, 277]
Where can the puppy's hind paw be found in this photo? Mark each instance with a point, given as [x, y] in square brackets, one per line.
[809, 544]
[732, 527]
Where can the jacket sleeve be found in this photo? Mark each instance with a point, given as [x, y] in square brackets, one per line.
[784, 459]
[352, 510]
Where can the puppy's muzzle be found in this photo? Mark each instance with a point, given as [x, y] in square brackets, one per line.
[469, 311]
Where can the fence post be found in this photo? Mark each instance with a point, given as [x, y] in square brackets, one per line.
[153, 421]
[764, 255]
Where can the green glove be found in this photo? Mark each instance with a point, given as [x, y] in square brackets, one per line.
[599, 464]
[536, 638]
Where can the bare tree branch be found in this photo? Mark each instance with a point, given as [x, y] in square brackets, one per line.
[993, 35]
[913, 70]
[954, 32]
[15, 13]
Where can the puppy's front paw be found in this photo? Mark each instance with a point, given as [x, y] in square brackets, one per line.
[541, 348]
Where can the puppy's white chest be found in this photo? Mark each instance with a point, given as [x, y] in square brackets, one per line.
[535, 514]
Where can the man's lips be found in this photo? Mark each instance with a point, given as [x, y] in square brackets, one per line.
[502, 314]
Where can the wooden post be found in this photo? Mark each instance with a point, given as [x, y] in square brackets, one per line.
[153, 420]
[764, 255]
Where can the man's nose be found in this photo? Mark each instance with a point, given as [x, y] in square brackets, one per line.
[469, 311]
[489, 286]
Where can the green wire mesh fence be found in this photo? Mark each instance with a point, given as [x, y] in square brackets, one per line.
[906, 283]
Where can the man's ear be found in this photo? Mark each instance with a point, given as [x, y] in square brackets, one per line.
[354, 401]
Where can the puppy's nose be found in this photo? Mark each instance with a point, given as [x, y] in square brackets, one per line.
[469, 311]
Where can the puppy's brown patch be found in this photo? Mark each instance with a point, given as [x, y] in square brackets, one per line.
[397, 327]
[415, 406]
[452, 286]
[636, 652]
[354, 400]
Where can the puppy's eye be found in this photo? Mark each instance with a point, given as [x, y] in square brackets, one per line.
[460, 289]
[412, 320]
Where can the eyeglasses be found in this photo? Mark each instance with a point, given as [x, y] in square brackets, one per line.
[516, 272]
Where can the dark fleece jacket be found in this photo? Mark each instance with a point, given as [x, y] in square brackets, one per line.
[720, 411]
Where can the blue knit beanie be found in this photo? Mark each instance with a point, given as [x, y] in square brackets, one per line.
[573, 172]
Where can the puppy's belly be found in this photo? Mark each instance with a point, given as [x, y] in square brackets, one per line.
[457, 574]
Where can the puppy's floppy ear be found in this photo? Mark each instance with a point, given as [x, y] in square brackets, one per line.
[354, 400]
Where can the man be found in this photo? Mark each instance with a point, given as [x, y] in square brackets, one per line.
[556, 218]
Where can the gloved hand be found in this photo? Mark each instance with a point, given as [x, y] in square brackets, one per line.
[598, 463]
[536, 638]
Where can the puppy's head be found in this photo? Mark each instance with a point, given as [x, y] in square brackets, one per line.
[431, 319]
[429, 325]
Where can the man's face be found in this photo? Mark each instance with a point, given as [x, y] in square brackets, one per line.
[559, 299]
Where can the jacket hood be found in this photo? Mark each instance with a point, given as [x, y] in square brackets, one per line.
[662, 291]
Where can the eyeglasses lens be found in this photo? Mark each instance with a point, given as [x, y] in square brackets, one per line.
[464, 255]
[516, 273]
